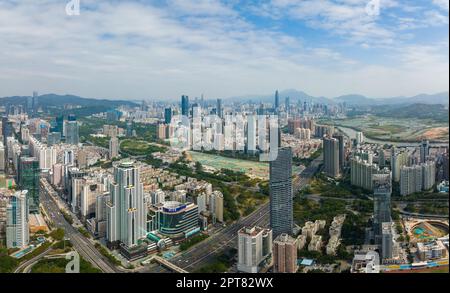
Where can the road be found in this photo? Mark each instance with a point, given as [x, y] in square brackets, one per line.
[206, 251]
[82, 245]
[26, 266]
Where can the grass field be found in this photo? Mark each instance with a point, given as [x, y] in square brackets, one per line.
[250, 168]
[398, 129]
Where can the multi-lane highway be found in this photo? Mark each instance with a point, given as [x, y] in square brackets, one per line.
[206, 251]
[82, 245]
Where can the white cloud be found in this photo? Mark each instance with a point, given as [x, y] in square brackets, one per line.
[138, 50]
[443, 4]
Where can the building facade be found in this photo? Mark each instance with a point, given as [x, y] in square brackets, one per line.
[281, 194]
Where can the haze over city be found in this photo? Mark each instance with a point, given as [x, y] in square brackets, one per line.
[162, 49]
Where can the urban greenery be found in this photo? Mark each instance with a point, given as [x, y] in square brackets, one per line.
[192, 241]
[107, 254]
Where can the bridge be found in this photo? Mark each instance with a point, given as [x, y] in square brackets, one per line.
[169, 265]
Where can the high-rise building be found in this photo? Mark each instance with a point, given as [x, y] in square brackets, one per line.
[284, 254]
[287, 105]
[386, 240]
[219, 108]
[410, 179]
[185, 106]
[2, 157]
[167, 115]
[53, 138]
[281, 195]
[424, 151]
[398, 160]
[445, 166]
[428, 175]
[362, 170]
[254, 246]
[17, 229]
[129, 128]
[251, 134]
[359, 137]
[7, 131]
[381, 158]
[28, 177]
[126, 211]
[72, 132]
[113, 147]
[35, 102]
[60, 124]
[216, 205]
[331, 156]
[277, 100]
[341, 141]
[382, 190]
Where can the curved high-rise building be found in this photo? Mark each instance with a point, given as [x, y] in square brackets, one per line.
[281, 195]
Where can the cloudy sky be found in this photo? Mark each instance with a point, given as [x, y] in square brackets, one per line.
[162, 49]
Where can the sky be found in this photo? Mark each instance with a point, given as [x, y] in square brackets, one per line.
[161, 49]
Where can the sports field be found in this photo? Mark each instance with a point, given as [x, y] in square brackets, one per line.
[252, 169]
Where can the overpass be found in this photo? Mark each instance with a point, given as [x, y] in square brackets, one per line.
[169, 265]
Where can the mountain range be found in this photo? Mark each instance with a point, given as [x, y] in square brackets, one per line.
[352, 99]
[53, 100]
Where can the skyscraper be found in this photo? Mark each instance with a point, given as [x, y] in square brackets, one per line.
[251, 134]
[219, 108]
[410, 179]
[287, 104]
[126, 210]
[277, 101]
[60, 124]
[386, 240]
[340, 139]
[428, 175]
[185, 106]
[284, 254]
[359, 137]
[28, 177]
[382, 189]
[168, 115]
[254, 245]
[17, 231]
[72, 132]
[398, 160]
[424, 150]
[113, 147]
[280, 183]
[6, 132]
[331, 156]
[129, 128]
[35, 103]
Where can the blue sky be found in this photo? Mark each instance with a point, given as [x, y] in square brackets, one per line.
[162, 49]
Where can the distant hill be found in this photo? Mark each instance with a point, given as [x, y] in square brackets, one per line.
[56, 103]
[294, 95]
[359, 100]
[351, 99]
[438, 113]
[354, 100]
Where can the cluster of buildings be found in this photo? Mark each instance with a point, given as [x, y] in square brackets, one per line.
[335, 234]
[436, 249]
[301, 148]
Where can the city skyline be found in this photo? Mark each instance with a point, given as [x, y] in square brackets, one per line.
[171, 47]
